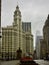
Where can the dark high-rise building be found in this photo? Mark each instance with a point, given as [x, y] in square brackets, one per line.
[45, 41]
[26, 26]
[46, 33]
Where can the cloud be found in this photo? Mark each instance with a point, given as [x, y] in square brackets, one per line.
[34, 11]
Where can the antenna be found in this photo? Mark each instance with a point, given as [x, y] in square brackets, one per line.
[17, 2]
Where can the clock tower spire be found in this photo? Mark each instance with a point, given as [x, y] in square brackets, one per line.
[17, 16]
[18, 24]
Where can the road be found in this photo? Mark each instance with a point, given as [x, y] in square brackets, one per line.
[13, 62]
[16, 62]
[42, 62]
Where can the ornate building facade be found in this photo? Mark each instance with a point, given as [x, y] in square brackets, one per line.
[46, 34]
[45, 41]
[16, 36]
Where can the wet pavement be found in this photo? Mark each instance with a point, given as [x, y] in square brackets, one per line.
[16, 62]
[42, 62]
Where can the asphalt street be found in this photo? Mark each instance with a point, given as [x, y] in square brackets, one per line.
[16, 62]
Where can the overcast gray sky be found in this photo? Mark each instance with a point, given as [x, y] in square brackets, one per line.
[34, 11]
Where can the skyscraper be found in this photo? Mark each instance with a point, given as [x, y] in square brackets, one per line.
[45, 41]
[14, 37]
[38, 38]
[26, 26]
[46, 34]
